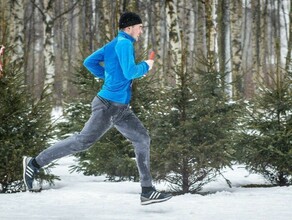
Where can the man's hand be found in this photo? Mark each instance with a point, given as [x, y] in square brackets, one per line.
[150, 63]
[152, 55]
[150, 60]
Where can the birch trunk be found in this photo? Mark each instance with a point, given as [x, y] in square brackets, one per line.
[147, 26]
[228, 58]
[288, 65]
[173, 36]
[162, 42]
[106, 20]
[49, 53]
[236, 32]
[17, 29]
[191, 37]
[225, 46]
[259, 39]
[284, 7]
[213, 29]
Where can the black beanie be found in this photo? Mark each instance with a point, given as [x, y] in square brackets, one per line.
[128, 19]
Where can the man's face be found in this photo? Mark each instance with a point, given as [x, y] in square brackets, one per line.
[135, 31]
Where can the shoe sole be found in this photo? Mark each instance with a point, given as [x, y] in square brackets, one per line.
[148, 202]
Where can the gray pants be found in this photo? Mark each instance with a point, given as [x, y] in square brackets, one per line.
[105, 115]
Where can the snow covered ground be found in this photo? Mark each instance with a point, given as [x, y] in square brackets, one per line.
[88, 198]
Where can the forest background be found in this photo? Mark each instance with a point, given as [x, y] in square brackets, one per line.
[52, 37]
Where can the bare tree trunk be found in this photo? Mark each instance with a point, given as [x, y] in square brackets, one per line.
[225, 46]
[281, 38]
[34, 56]
[228, 47]
[147, 24]
[17, 29]
[236, 32]
[97, 23]
[5, 17]
[75, 49]
[247, 50]
[212, 35]
[173, 36]
[201, 48]
[106, 21]
[61, 53]
[267, 42]
[288, 66]
[284, 29]
[259, 39]
[190, 27]
[163, 47]
[49, 44]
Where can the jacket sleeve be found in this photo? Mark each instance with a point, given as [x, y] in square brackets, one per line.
[125, 53]
[92, 63]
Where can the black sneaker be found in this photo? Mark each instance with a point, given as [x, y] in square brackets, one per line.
[29, 172]
[153, 196]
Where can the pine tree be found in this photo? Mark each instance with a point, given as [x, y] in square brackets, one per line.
[192, 140]
[265, 141]
[25, 127]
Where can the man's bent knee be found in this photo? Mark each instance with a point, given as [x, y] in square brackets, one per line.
[82, 143]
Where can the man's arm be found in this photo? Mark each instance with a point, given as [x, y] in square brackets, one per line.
[131, 70]
[92, 63]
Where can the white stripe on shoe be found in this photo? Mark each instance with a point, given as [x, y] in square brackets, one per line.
[154, 195]
[29, 172]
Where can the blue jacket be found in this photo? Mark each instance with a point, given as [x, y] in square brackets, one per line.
[119, 68]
